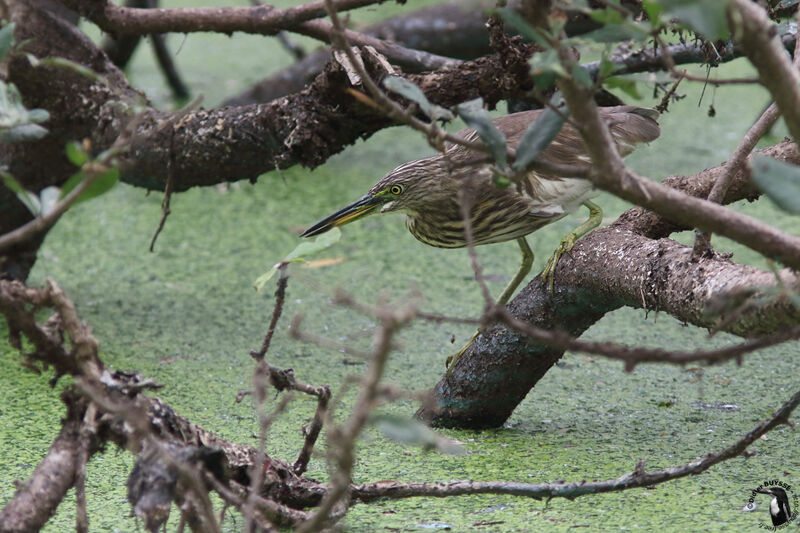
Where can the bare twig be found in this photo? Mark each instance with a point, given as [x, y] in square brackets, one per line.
[737, 161]
[280, 298]
[637, 479]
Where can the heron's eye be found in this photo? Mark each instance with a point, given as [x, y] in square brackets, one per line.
[396, 189]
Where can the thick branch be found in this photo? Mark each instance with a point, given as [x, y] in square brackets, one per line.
[265, 20]
[37, 499]
[615, 266]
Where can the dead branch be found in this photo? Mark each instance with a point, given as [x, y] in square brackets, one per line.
[637, 479]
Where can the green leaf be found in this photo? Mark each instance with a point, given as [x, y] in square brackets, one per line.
[544, 81]
[22, 133]
[652, 9]
[305, 248]
[6, 39]
[411, 431]
[405, 88]
[606, 67]
[613, 33]
[38, 115]
[607, 16]
[27, 198]
[582, 76]
[625, 85]
[476, 117]
[547, 62]
[779, 181]
[76, 154]
[104, 183]
[68, 64]
[706, 17]
[501, 182]
[538, 136]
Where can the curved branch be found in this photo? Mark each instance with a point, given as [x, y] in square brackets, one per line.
[264, 20]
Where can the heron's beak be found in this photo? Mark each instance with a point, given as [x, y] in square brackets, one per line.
[358, 209]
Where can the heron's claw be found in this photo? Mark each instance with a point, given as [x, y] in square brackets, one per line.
[549, 272]
[450, 362]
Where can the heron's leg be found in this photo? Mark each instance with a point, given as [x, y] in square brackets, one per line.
[595, 219]
[524, 268]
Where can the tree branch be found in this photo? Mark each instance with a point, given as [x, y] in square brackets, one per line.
[619, 265]
[264, 20]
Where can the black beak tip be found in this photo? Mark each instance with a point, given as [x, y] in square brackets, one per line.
[316, 229]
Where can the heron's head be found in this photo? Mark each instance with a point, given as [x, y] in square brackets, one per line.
[407, 188]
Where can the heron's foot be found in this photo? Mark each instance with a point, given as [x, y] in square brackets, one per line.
[549, 272]
[595, 219]
[450, 362]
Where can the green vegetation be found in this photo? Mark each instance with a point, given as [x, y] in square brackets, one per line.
[187, 316]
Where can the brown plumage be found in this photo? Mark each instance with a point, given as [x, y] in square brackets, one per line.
[427, 190]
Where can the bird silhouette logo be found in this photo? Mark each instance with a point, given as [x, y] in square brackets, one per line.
[783, 503]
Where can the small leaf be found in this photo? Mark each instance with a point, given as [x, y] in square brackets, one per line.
[77, 154]
[38, 115]
[652, 9]
[306, 248]
[607, 16]
[779, 181]
[547, 62]
[405, 88]
[73, 66]
[706, 17]
[542, 82]
[606, 67]
[6, 39]
[501, 182]
[613, 33]
[582, 76]
[102, 184]
[538, 136]
[22, 133]
[476, 117]
[48, 199]
[410, 431]
[625, 85]
[27, 198]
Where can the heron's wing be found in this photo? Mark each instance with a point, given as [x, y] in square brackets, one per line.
[629, 125]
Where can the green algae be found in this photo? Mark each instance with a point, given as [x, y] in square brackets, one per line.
[187, 317]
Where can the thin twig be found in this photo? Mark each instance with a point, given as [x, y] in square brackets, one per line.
[280, 298]
[637, 479]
